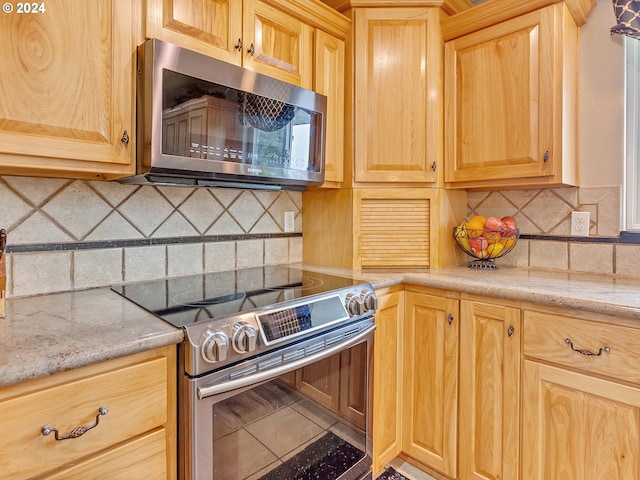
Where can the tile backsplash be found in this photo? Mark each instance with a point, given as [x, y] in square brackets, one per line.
[74, 234]
[544, 218]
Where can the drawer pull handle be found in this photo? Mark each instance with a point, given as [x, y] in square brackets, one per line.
[584, 351]
[76, 432]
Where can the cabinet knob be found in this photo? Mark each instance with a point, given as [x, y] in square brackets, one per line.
[434, 166]
[450, 319]
[238, 46]
[546, 156]
[510, 330]
[252, 50]
[125, 138]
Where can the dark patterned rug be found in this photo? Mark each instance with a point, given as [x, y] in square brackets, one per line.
[391, 474]
[326, 458]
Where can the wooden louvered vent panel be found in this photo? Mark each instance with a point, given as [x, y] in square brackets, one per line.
[395, 233]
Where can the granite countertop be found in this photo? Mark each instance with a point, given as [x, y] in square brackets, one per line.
[46, 334]
[43, 335]
[584, 291]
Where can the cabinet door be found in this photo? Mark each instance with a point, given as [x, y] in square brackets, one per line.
[67, 94]
[387, 380]
[503, 100]
[277, 44]
[578, 427]
[211, 27]
[397, 57]
[430, 381]
[489, 391]
[329, 81]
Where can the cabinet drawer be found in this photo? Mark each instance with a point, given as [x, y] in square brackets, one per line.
[557, 339]
[145, 457]
[134, 395]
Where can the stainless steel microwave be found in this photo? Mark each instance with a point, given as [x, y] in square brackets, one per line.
[204, 122]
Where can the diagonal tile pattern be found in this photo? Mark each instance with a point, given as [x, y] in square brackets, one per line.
[548, 211]
[41, 211]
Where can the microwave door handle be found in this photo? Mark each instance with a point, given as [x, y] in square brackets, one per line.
[208, 391]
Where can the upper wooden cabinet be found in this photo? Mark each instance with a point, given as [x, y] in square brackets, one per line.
[67, 95]
[329, 81]
[249, 33]
[511, 98]
[397, 56]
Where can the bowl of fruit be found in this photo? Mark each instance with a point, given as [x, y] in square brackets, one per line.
[486, 238]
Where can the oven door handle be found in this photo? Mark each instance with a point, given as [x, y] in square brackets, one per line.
[208, 391]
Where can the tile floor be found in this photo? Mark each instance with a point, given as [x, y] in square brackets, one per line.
[409, 471]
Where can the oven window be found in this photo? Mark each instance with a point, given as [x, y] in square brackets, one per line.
[307, 424]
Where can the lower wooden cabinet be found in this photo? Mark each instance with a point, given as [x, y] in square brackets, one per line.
[431, 381]
[489, 391]
[497, 389]
[136, 431]
[387, 379]
[581, 398]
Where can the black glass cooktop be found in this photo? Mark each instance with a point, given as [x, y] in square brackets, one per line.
[185, 300]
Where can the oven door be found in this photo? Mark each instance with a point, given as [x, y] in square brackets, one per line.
[302, 412]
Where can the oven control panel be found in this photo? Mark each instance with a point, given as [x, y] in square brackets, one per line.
[227, 340]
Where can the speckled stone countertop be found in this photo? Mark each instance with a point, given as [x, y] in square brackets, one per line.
[583, 291]
[43, 335]
[46, 334]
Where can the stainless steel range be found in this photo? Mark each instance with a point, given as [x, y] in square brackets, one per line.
[274, 372]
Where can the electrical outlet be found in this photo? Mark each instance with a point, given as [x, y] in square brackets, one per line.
[289, 222]
[580, 224]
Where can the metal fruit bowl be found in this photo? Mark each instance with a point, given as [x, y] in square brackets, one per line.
[485, 245]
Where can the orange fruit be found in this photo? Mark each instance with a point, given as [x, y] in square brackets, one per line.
[475, 226]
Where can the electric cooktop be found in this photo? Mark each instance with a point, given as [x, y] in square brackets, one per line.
[185, 300]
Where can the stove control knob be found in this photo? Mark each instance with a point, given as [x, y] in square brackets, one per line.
[369, 300]
[353, 304]
[244, 337]
[215, 347]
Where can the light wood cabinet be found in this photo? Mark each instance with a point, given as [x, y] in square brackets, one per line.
[249, 33]
[397, 56]
[429, 432]
[329, 80]
[67, 106]
[490, 357]
[387, 379]
[136, 433]
[511, 97]
[381, 227]
[581, 398]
